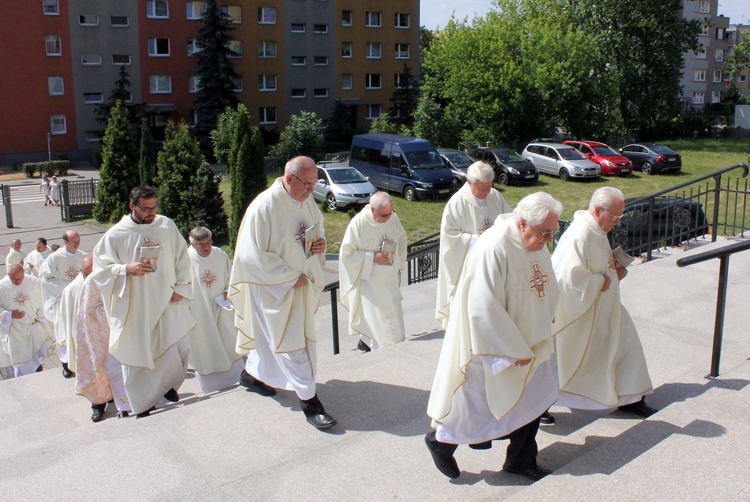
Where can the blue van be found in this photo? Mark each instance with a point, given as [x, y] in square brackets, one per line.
[409, 166]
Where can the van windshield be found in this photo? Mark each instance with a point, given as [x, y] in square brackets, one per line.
[426, 159]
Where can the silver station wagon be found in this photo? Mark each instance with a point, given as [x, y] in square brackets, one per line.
[561, 160]
[341, 186]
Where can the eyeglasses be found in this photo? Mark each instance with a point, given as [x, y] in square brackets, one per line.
[306, 183]
[383, 215]
[546, 234]
[148, 209]
[616, 218]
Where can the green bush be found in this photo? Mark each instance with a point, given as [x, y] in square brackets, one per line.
[29, 168]
[58, 167]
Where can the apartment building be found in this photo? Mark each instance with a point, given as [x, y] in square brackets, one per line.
[64, 57]
[736, 33]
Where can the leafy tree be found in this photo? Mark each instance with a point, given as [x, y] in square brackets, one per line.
[147, 159]
[215, 72]
[431, 122]
[221, 137]
[302, 136]
[178, 163]
[338, 130]
[117, 174]
[205, 204]
[383, 125]
[121, 92]
[248, 170]
[404, 99]
[739, 59]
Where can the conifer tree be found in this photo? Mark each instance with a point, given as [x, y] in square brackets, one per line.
[147, 161]
[221, 137]
[120, 92]
[405, 98]
[205, 204]
[117, 174]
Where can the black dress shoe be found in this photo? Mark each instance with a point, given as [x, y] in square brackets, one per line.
[640, 408]
[97, 414]
[172, 395]
[361, 345]
[321, 420]
[39, 368]
[123, 414]
[532, 473]
[146, 413]
[481, 446]
[66, 371]
[254, 385]
[442, 455]
[547, 418]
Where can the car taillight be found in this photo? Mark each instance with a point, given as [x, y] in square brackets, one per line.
[660, 158]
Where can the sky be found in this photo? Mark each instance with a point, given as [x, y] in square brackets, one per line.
[434, 13]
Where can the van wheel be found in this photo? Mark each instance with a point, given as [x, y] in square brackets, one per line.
[502, 178]
[564, 174]
[410, 193]
[331, 202]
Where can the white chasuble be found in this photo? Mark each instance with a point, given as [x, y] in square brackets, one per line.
[370, 291]
[600, 359]
[33, 262]
[14, 258]
[92, 342]
[57, 271]
[21, 338]
[464, 219]
[502, 313]
[66, 318]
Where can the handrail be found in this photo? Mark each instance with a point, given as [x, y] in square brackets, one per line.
[696, 180]
[723, 255]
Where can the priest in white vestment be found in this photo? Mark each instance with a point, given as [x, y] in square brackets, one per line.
[33, 262]
[469, 212]
[142, 269]
[214, 337]
[600, 359]
[59, 270]
[372, 261]
[275, 286]
[494, 377]
[23, 328]
[15, 255]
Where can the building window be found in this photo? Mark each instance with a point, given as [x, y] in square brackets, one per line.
[266, 83]
[720, 33]
[192, 47]
[158, 47]
[266, 50]
[157, 9]
[372, 112]
[719, 55]
[373, 50]
[701, 53]
[239, 83]
[298, 93]
[237, 47]
[704, 7]
[234, 12]
[57, 124]
[320, 92]
[320, 29]
[402, 51]
[372, 81]
[298, 27]
[699, 75]
[346, 81]
[91, 59]
[266, 15]
[120, 59]
[193, 117]
[194, 84]
[741, 78]
[402, 20]
[160, 84]
[94, 136]
[88, 20]
[704, 30]
[715, 96]
[400, 81]
[51, 7]
[195, 10]
[698, 98]
[53, 45]
[346, 18]
[119, 21]
[299, 60]
[346, 49]
[320, 60]
[91, 98]
[56, 86]
[717, 75]
[267, 115]
[372, 19]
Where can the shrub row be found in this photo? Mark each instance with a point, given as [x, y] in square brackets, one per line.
[56, 167]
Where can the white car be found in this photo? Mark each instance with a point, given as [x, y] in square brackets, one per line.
[561, 160]
[341, 185]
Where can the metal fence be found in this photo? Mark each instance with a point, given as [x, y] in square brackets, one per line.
[78, 199]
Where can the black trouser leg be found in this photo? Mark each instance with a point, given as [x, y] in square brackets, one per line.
[312, 406]
[522, 449]
[100, 407]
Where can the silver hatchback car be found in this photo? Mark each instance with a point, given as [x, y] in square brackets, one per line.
[341, 185]
[561, 160]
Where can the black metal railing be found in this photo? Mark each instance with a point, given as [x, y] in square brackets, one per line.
[723, 255]
[77, 199]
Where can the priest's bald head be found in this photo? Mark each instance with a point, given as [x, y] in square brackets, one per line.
[300, 175]
[606, 206]
[72, 240]
[536, 218]
[16, 244]
[16, 274]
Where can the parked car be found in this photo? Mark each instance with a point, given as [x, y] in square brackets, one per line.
[508, 165]
[611, 162]
[652, 158]
[561, 160]
[457, 161]
[341, 185]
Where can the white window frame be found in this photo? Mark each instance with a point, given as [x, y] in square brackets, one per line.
[721, 34]
[114, 25]
[153, 47]
[698, 98]
[704, 6]
[266, 15]
[239, 83]
[344, 78]
[130, 60]
[347, 48]
[320, 60]
[302, 62]
[297, 27]
[151, 10]
[373, 19]
[320, 29]
[399, 52]
[194, 10]
[700, 53]
[300, 93]
[719, 55]
[263, 45]
[237, 46]
[373, 50]
[58, 124]
[193, 115]
[741, 78]
[93, 98]
[704, 30]
[91, 59]
[192, 47]
[717, 76]
[88, 20]
[370, 78]
[264, 112]
[56, 41]
[155, 84]
[267, 82]
[194, 84]
[369, 109]
[397, 20]
[715, 97]
[397, 81]
[93, 136]
[699, 75]
[346, 18]
[51, 7]
[53, 82]
[320, 93]
[234, 12]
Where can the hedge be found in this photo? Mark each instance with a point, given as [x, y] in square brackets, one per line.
[56, 167]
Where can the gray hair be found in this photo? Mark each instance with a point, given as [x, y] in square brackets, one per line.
[604, 197]
[298, 164]
[534, 208]
[380, 199]
[199, 234]
[480, 171]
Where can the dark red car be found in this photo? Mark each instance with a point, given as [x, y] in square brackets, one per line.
[611, 162]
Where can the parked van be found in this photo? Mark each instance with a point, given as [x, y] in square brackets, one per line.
[409, 166]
